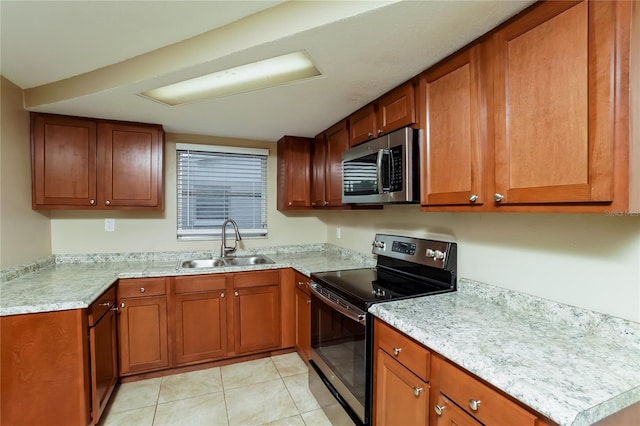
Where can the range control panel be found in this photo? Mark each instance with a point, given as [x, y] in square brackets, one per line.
[439, 254]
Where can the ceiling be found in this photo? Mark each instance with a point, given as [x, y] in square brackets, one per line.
[92, 58]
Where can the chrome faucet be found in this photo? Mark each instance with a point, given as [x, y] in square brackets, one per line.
[224, 250]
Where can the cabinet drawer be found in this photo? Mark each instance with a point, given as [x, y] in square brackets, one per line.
[252, 279]
[493, 408]
[101, 305]
[409, 353]
[141, 287]
[200, 283]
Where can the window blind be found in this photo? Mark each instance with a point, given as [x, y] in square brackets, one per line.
[219, 183]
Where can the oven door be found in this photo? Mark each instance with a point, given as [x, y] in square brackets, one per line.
[341, 351]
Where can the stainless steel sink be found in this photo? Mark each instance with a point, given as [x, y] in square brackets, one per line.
[219, 262]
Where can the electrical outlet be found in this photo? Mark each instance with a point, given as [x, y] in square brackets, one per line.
[338, 232]
[109, 225]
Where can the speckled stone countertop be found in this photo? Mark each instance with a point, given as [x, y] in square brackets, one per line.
[75, 281]
[572, 365]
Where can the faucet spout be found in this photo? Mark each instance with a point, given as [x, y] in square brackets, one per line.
[224, 250]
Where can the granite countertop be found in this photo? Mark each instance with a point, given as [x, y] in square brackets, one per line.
[75, 281]
[572, 365]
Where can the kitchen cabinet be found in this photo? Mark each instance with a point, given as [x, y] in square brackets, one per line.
[58, 368]
[83, 163]
[454, 138]
[543, 110]
[103, 351]
[327, 165]
[294, 173]
[256, 311]
[200, 305]
[392, 111]
[401, 388]
[142, 325]
[449, 414]
[478, 400]
[303, 315]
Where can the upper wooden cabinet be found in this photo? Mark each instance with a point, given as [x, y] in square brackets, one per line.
[390, 112]
[542, 109]
[327, 165]
[294, 173]
[82, 163]
[453, 140]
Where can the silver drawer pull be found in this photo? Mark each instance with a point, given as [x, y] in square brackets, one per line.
[439, 409]
[104, 304]
[417, 391]
[474, 404]
[396, 351]
[141, 289]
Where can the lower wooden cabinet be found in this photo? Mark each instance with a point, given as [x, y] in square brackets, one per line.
[449, 414]
[200, 305]
[142, 325]
[256, 311]
[303, 316]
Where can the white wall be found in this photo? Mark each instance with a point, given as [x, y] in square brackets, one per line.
[25, 235]
[83, 232]
[590, 261]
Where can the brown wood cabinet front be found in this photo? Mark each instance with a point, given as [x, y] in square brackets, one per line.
[303, 316]
[401, 398]
[327, 165]
[294, 173]
[200, 318]
[142, 325]
[392, 111]
[453, 144]
[256, 311]
[84, 163]
[319, 172]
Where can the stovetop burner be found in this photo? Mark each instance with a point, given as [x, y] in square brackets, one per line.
[406, 267]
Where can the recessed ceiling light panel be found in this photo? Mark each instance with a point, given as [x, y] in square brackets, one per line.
[245, 78]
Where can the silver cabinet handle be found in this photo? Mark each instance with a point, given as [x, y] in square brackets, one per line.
[222, 295]
[104, 304]
[308, 301]
[396, 351]
[300, 283]
[141, 289]
[108, 202]
[122, 305]
[498, 197]
[417, 391]
[379, 132]
[439, 409]
[236, 293]
[370, 134]
[92, 202]
[473, 198]
[474, 404]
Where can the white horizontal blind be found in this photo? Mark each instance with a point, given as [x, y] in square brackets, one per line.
[219, 183]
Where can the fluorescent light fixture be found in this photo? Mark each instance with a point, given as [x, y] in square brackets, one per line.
[245, 78]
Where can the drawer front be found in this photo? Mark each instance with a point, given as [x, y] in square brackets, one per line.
[200, 283]
[141, 287]
[493, 408]
[252, 279]
[408, 352]
[101, 305]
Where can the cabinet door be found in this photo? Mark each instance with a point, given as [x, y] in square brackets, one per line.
[554, 89]
[303, 323]
[449, 414]
[337, 143]
[130, 166]
[294, 173]
[451, 161]
[143, 334]
[362, 125]
[401, 397]
[104, 362]
[257, 311]
[201, 326]
[63, 155]
[318, 171]
[396, 109]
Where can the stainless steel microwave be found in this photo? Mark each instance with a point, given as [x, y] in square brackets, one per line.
[384, 170]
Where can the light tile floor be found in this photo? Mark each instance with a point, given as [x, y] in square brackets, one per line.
[269, 391]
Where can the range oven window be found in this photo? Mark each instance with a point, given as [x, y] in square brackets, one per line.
[340, 343]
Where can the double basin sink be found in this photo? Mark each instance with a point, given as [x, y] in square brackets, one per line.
[226, 261]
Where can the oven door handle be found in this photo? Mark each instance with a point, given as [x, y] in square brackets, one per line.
[351, 314]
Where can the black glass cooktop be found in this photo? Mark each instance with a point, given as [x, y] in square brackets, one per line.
[364, 287]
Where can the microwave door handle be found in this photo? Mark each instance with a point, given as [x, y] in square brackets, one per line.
[379, 172]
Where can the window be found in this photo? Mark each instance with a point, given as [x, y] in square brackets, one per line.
[216, 183]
